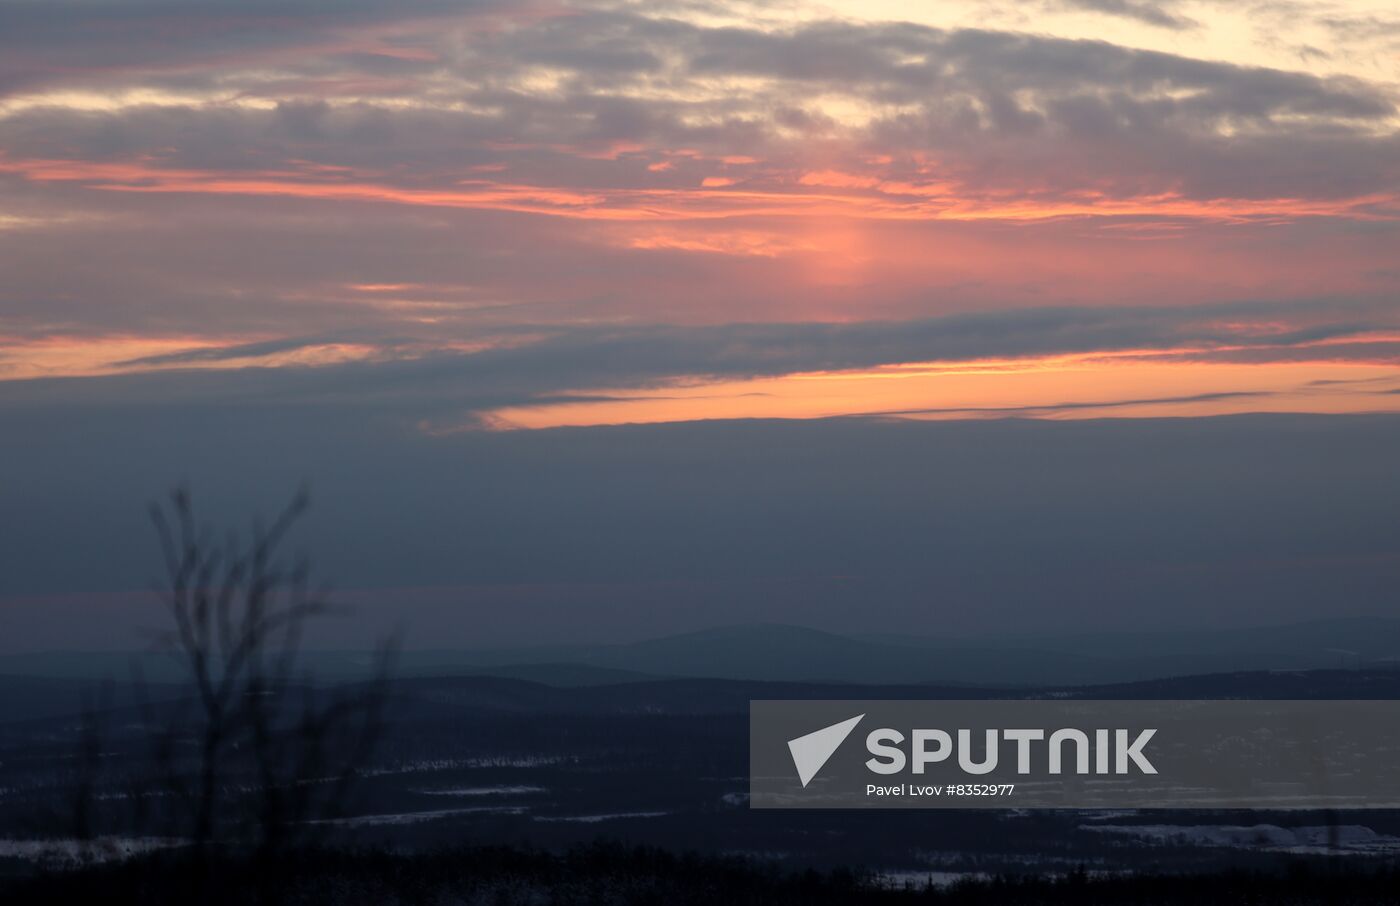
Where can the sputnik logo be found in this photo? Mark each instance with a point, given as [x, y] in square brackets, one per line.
[811, 752]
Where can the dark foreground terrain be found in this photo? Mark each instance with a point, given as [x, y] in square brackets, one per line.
[612, 874]
[469, 765]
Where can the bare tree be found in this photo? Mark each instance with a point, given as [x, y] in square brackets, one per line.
[262, 754]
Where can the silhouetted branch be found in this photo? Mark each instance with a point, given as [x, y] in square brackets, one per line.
[246, 759]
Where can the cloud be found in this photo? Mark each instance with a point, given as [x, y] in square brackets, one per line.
[1151, 12]
[1066, 407]
[936, 527]
[594, 100]
[414, 387]
[945, 192]
[901, 62]
[65, 42]
[228, 353]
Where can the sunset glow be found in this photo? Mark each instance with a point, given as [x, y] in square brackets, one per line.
[1080, 210]
[1059, 387]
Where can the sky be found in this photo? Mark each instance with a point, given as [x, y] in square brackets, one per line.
[343, 231]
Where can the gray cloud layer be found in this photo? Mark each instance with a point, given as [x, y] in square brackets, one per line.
[425, 95]
[849, 524]
[453, 388]
[1152, 12]
[1054, 114]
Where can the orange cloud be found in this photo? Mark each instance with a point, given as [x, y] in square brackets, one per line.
[1143, 384]
[42, 357]
[863, 198]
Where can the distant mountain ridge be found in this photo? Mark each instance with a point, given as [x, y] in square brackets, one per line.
[1371, 639]
[783, 653]
[448, 698]
[776, 652]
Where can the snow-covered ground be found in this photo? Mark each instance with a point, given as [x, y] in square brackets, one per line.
[427, 765]
[502, 790]
[922, 880]
[1351, 839]
[69, 852]
[594, 819]
[416, 817]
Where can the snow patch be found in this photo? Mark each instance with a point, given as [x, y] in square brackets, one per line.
[71, 852]
[416, 817]
[594, 819]
[1349, 838]
[504, 790]
[924, 880]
